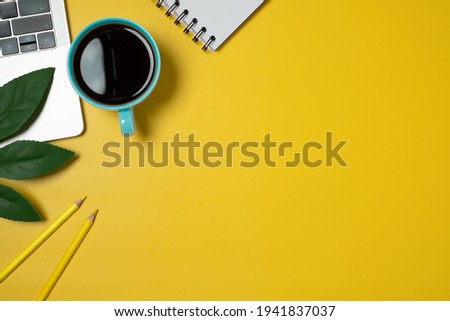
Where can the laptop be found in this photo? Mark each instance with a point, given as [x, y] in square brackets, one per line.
[34, 35]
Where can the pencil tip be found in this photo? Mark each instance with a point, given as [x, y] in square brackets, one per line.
[93, 216]
[80, 201]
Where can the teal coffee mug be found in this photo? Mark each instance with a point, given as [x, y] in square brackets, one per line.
[114, 64]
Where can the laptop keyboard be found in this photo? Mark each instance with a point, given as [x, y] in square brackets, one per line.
[25, 26]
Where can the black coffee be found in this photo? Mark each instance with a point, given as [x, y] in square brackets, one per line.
[113, 64]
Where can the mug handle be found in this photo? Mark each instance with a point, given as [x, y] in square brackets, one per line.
[126, 121]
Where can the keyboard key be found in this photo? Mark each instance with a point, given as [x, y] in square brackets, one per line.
[46, 40]
[5, 29]
[27, 39]
[8, 10]
[29, 7]
[9, 46]
[28, 47]
[28, 43]
[32, 24]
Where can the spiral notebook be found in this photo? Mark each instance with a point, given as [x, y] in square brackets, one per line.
[210, 21]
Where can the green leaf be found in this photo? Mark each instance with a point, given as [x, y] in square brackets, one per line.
[25, 159]
[22, 98]
[14, 206]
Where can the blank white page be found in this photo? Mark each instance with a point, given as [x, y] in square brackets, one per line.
[220, 17]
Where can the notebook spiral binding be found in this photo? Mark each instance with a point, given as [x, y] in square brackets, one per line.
[189, 26]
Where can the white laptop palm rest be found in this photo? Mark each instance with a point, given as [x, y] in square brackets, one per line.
[34, 35]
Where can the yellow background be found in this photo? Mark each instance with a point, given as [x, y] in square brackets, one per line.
[375, 73]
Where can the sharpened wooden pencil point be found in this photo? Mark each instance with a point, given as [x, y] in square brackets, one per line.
[93, 216]
[80, 201]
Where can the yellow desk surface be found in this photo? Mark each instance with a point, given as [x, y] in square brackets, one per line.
[374, 73]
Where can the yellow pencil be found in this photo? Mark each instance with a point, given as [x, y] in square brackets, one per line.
[41, 238]
[67, 257]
